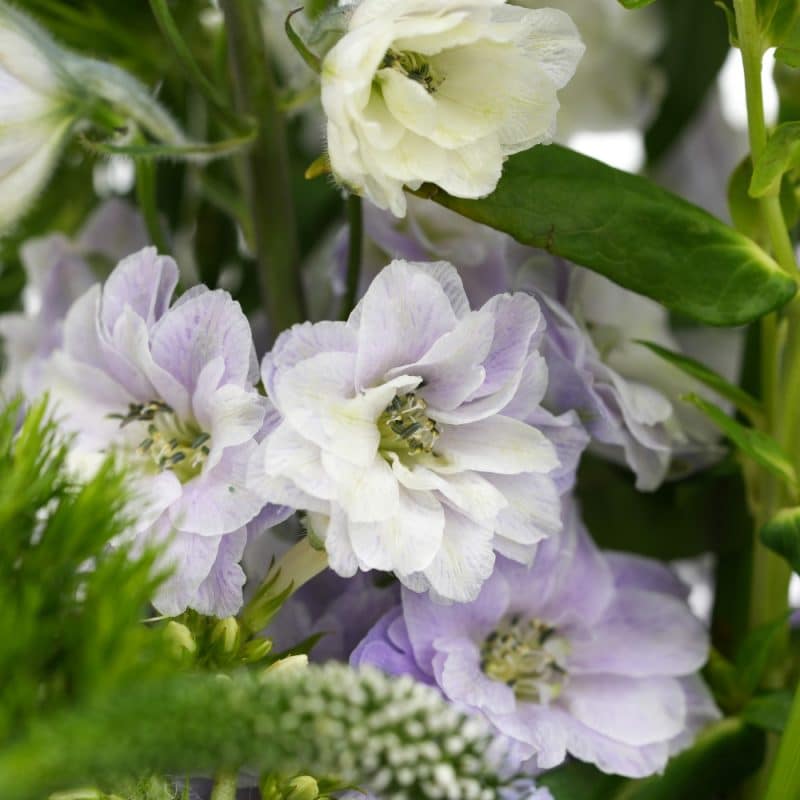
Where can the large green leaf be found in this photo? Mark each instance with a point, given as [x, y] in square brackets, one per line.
[723, 755]
[633, 232]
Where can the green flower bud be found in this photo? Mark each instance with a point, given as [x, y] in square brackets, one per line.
[303, 787]
[181, 638]
[255, 650]
[226, 637]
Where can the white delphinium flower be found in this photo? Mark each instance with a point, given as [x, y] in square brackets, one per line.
[45, 91]
[442, 91]
[35, 113]
[412, 433]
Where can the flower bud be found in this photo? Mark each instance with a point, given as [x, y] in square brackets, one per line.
[226, 637]
[287, 665]
[255, 650]
[181, 638]
[303, 787]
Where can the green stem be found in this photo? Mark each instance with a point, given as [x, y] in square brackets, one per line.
[784, 783]
[264, 171]
[355, 220]
[191, 69]
[225, 786]
[770, 574]
[780, 346]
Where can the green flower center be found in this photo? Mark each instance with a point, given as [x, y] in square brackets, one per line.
[414, 66]
[527, 655]
[169, 443]
[405, 427]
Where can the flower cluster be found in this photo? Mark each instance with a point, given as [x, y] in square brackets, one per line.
[420, 432]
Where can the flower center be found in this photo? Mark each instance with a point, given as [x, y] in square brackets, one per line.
[170, 443]
[414, 66]
[405, 427]
[527, 655]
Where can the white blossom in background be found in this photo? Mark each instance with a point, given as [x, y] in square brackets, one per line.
[441, 91]
[35, 113]
[616, 85]
[412, 434]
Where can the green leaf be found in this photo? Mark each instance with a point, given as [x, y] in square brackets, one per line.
[753, 443]
[704, 513]
[769, 711]
[722, 756]
[782, 534]
[754, 654]
[789, 51]
[636, 3]
[778, 19]
[696, 45]
[741, 399]
[746, 209]
[781, 155]
[633, 232]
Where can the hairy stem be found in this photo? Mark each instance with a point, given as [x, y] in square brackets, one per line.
[264, 170]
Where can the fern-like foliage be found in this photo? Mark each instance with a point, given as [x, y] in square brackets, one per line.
[70, 606]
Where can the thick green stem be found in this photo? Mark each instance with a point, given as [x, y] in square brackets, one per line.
[356, 225]
[780, 386]
[264, 170]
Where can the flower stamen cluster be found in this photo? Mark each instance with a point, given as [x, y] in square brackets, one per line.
[413, 66]
[529, 656]
[405, 426]
[171, 443]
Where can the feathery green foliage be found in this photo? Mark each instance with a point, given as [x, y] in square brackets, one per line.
[70, 606]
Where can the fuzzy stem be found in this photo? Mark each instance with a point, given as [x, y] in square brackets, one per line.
[264, 171]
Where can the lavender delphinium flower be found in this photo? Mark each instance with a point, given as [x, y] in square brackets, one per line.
[583, 653]
[58, 271]
[398, 437]
[627, 397]
[342, 610]
[171, 391]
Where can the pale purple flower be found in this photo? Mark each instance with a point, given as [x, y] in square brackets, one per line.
[58, 271]
[171, 391]
[341, 609]
[628, 398]
[581, 654]
[404, 432]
